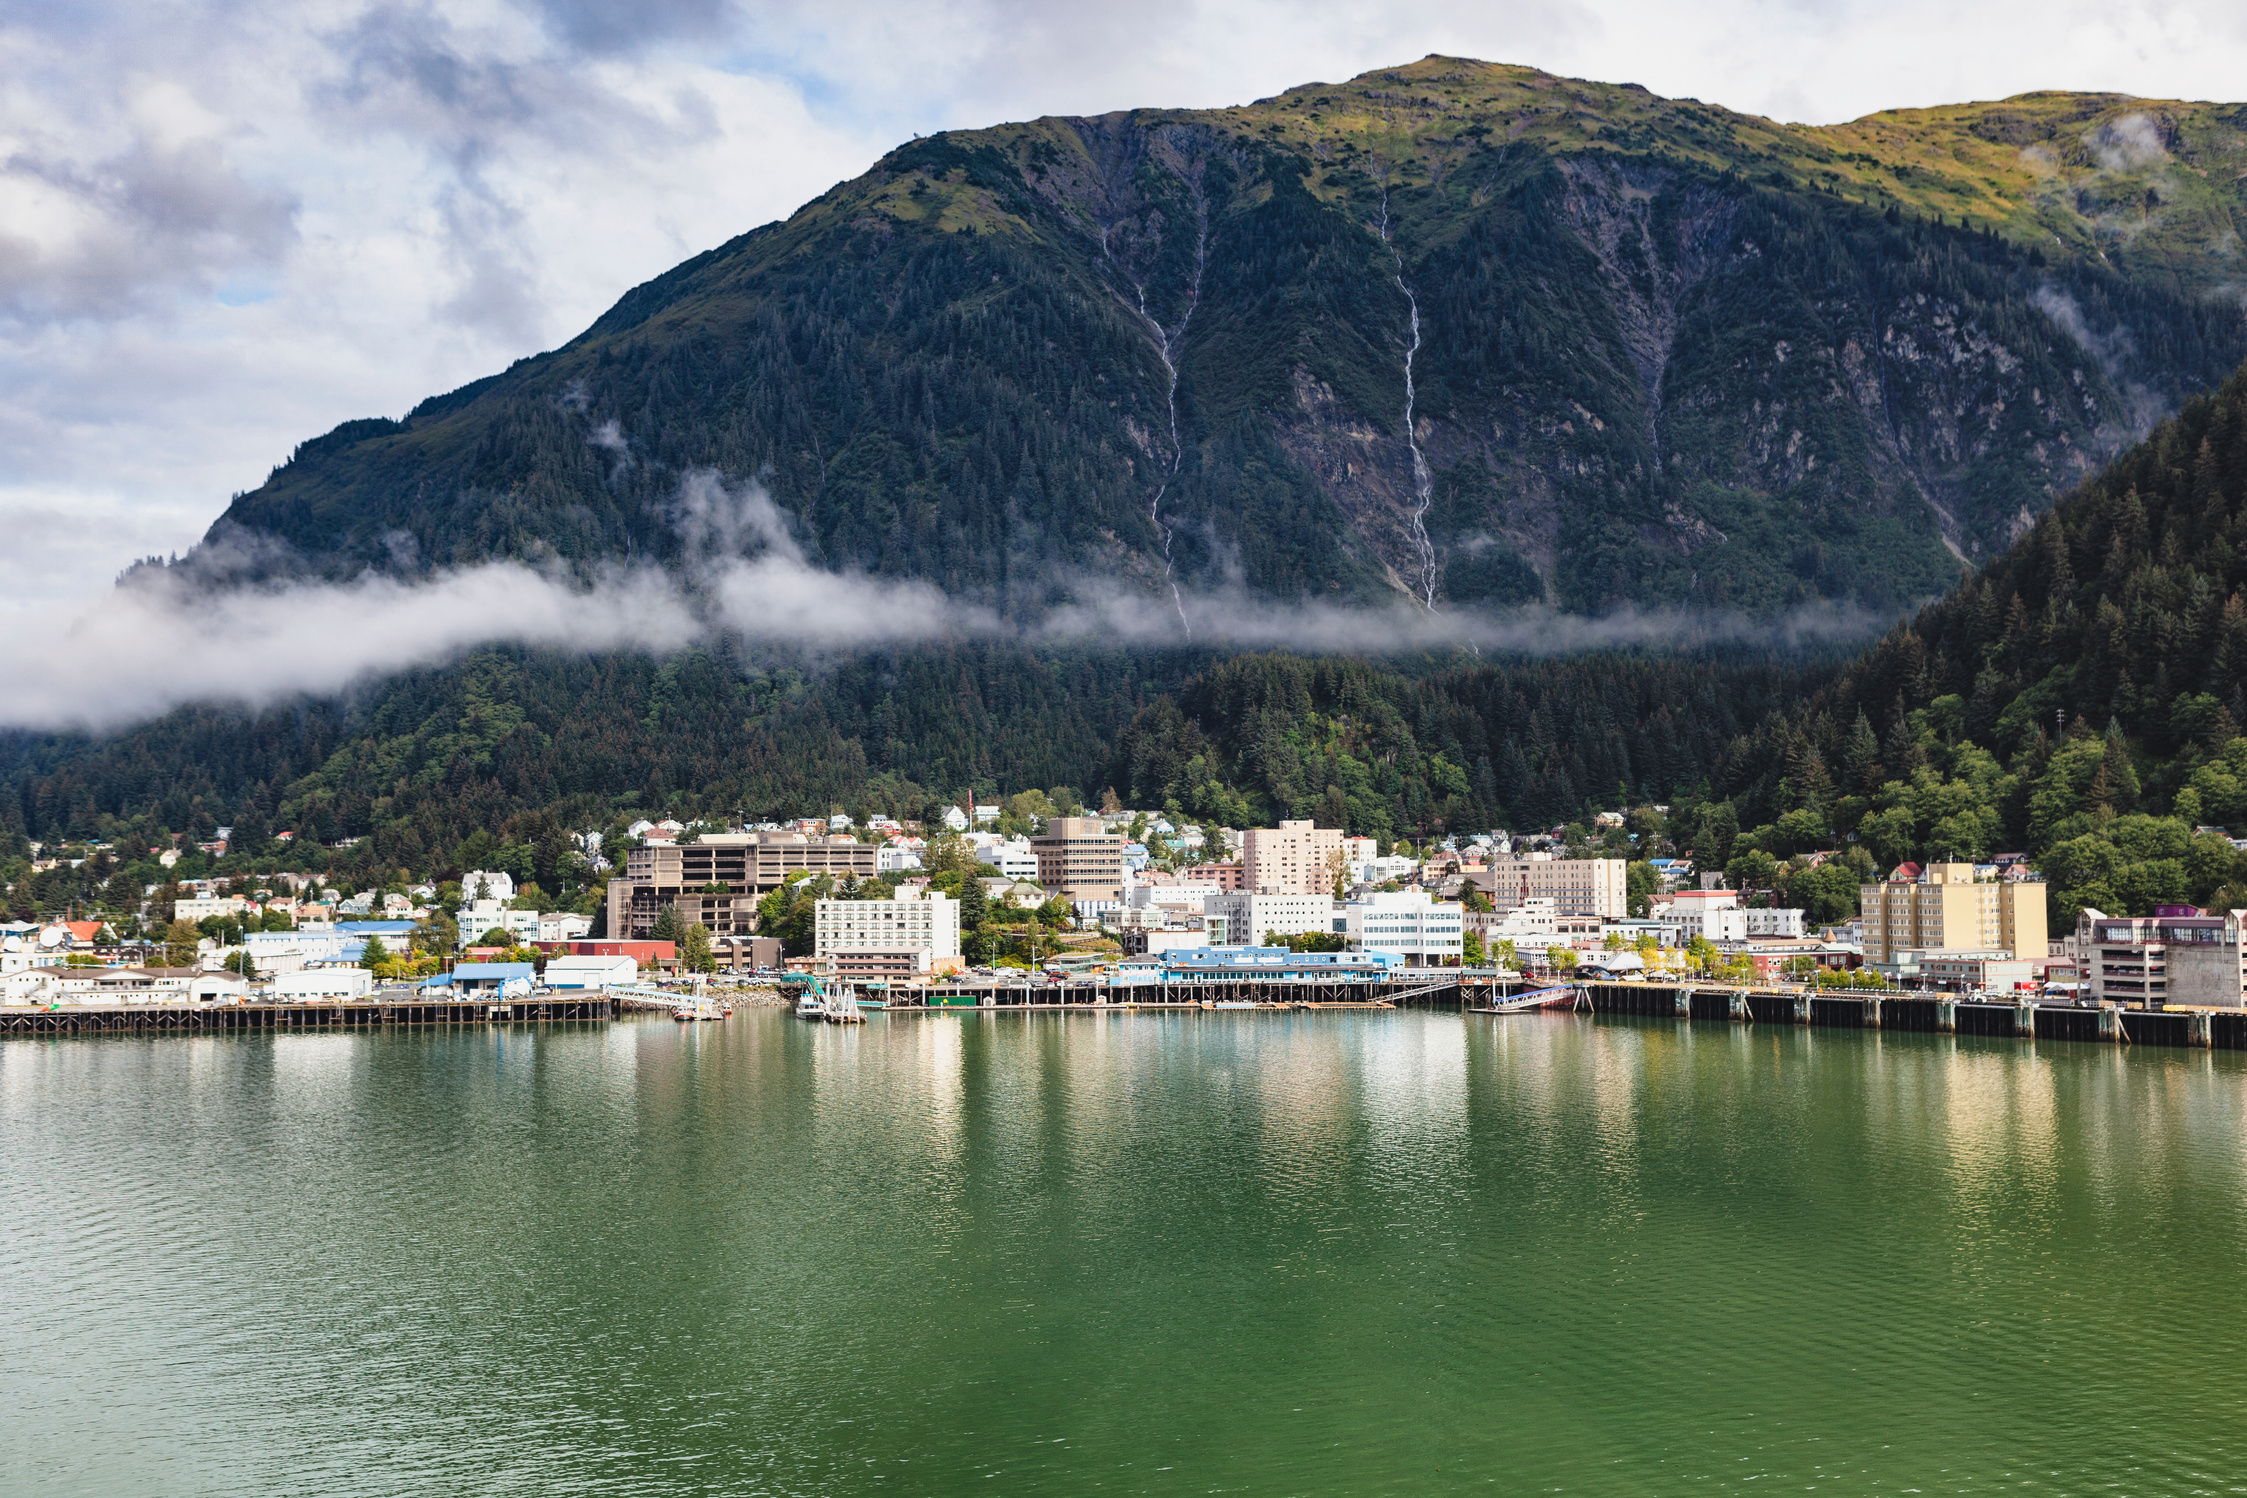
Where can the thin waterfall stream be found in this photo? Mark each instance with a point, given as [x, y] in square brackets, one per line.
[1170, 346]
[1423, 483]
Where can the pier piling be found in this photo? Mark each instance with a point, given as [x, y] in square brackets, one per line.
[2024, 1020]
[1802, 1009]
[1872, 1014]
[2202, 1033]
[1684, 1004]
[1946, 1016]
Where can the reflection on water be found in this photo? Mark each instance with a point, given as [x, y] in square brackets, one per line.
[1301, 1253]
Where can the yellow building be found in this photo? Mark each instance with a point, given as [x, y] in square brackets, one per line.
[1946, 908]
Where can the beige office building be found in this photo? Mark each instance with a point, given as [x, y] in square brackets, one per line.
[1294, 858]
[1078, 859]
[1576, 886]
[1947, 909]
[717, 879]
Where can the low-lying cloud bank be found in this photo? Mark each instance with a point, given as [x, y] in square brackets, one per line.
[158, 642]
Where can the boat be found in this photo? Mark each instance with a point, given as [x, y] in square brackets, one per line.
[811, 1006]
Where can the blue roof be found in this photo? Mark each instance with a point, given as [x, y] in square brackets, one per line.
[377, 928]
[500, 970]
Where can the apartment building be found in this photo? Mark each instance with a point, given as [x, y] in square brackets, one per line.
[1223, 875]
[1946, 907]
[1576, 886]
[1079, 859]
[1240, 918]
[718, 878]
[2176, 956]
[1421, 929]
[1294, 858]
[912, 933]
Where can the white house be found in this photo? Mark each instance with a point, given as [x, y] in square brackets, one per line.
[486, 884]
[562, 925]
[955, 819]
[896, 857]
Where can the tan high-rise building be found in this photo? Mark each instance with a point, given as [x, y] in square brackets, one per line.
[1944, 907]
[716, 879]
[1576, 886]
[1294, 858]
[1079, 859]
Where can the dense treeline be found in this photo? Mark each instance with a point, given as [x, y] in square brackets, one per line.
[1356, 745]
[2080, 700]
[487, 763]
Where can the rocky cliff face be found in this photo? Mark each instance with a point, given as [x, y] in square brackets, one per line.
[1651, 351]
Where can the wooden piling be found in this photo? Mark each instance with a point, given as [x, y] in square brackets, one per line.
[1872, 1014]
[2024, 1020]
[1802, 1009]
[1683, 1007]
[2202, 1032]
[1946, 1016]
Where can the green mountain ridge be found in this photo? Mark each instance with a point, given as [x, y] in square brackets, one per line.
[1669, 353]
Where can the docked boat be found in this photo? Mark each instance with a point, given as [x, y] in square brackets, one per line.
[811, 1006]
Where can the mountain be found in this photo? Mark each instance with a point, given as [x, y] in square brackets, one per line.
[1651, 349]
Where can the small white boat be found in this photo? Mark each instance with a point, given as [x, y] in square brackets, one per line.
[811, 1006]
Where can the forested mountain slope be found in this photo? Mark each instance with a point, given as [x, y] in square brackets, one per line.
[1656, 350]
[2081, 699]
[514, 745]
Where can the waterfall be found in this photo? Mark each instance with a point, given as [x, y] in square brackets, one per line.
[1170, 345]
[1423, 484]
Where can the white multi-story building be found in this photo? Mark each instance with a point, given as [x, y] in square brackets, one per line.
[1240, 918]
[914, 931]
[1294, 858]
[1016, 859]
[1534, 923]
[196, 909]
[1773, 922]
[1412, 923]
[1576, 886]
[1185, 897]
[1380, 870]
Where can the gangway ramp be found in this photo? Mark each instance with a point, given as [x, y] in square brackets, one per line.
[1535, 998]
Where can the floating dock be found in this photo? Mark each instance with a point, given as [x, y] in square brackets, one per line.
[370, 1014]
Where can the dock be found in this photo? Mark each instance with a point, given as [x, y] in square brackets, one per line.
[1927, 1013]
[366, 1014]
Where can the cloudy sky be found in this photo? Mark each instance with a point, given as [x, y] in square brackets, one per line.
[225, 227]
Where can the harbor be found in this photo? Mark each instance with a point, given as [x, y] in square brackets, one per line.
[1946, 1014]
[208, 1019]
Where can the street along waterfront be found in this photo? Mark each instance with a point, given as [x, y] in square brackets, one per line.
[1315, 1252]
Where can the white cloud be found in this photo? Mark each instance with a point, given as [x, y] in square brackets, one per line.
[225, 228]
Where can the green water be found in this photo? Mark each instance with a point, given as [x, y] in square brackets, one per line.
[1410, 1253]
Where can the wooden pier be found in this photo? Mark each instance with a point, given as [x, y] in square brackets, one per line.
[370, 1014]
[1942, 1014]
